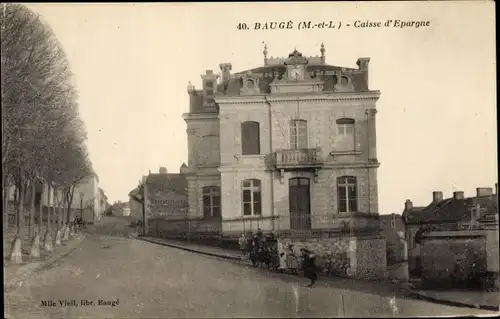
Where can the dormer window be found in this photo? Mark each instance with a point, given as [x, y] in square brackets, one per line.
[250, 84]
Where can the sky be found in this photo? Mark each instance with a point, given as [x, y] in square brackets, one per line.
[436, 120]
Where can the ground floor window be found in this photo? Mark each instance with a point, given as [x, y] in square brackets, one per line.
[211, 201]
[252, 200]
[347, 194]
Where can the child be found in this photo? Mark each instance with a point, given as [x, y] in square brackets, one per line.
[292, 261]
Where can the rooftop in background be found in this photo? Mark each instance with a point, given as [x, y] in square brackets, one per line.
[454, 209]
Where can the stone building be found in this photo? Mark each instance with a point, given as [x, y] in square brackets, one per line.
[290, 144]
[287, 147]
[166, 195]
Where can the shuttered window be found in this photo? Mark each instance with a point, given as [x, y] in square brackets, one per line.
[250, 138]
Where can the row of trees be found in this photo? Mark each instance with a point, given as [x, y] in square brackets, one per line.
[44, 139]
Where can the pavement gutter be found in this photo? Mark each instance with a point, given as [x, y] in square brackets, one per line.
[413, 293]
[422, 295]
[31, 268]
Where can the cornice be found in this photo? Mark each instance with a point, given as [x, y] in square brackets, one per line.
[281, 98]
[200, 116]
[351, 165]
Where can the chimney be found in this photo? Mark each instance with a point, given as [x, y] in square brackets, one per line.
[458, 195]
[363, 63]
[408, 205]
[437, 197]
[225, 71]
[183, 169]
[163, 170]
[484, 191]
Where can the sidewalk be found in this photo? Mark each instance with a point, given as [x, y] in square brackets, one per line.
[14, 274]
[461, 298]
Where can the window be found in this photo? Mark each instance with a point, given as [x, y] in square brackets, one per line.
[298, 134]
[347, 194]
[250, 138]
[211, 201]
[252, 201]
[345, 127]
[346, 134]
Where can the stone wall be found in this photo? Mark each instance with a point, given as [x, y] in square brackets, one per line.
[453, 258]
[324, 247]
[357, 257]
[371, 262]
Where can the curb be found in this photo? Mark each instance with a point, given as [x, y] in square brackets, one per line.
[14, 283]
[191, 250]
[422, 295]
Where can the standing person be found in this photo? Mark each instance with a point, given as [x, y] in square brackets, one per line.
[309, 265]
[243, 244]
[292, 261]
[282, 257]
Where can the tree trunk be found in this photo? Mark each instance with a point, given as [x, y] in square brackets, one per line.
[20, 206]
[5, 188]
[70, 201]
[40, 213]
[32, 210]
[48, 208]
[56, 209]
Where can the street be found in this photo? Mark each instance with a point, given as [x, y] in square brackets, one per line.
[137, 279]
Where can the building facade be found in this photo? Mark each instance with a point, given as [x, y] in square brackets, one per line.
[289, 145]
[166, 195]
[89, 201]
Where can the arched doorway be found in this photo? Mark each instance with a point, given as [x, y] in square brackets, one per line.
[300, 205]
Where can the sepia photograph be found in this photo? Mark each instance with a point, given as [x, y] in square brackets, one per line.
[249, 160]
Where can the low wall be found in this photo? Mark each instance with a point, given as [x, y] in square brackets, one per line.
[453, 258]
[185, 228]
[357, 257]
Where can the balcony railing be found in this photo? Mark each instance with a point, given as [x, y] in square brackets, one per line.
[299, 158]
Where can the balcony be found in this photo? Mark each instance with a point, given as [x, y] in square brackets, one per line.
[290, 159]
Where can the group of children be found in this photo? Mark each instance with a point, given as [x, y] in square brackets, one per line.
[284, 259]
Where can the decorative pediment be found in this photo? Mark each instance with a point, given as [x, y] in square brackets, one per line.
[250, 84]
[344, 81]
[295, 58]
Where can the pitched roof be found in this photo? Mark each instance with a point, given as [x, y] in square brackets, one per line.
[452, 210]
[168, 182]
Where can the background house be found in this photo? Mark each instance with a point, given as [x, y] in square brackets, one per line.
[454, 240]
[88, 200]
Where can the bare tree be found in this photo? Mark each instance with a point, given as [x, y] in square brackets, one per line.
[40, 121]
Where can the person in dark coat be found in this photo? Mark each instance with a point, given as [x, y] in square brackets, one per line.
[309, 266]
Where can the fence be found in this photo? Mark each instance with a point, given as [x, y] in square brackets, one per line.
[297, 226]
[11, 215]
